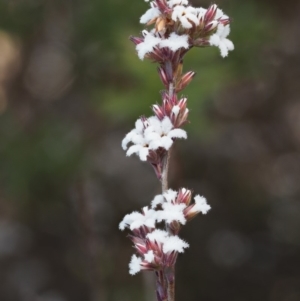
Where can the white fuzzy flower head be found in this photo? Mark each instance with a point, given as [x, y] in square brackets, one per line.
[151, 135]
[187, 16]
[172, 212]
[174, 243]
[154, 40]
[175, 42]
[201, 204]
[158, 235]
[136, 220]
[170, 195]
[219, 39]
[150, 41]
[149, 256]
[135, 265]
[149, 15]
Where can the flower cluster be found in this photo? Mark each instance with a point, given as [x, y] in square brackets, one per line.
[152, 138]
[158, 249]
[180, 26]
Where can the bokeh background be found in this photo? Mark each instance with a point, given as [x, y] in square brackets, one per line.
[71, 87]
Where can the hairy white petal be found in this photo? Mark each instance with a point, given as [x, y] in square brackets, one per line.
[170, 195]
[166, 142]
[201, 204]
[149, 43]
[176, 110]
[166, 125]
[150, 14]
[134, 149]
[149, 256]
[158, 235]
[175, 42]
[143, 153]
[159, 199]
[135, 265]
[172, 212]
[174, 243]
[178, 133]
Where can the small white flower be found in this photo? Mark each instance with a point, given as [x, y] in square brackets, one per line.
[201, 205]
[159, 199]
[175, 42]
[136, 220]
[149, 256]
[158, 235]
[150, 41]
[171, 212]
[149, 15]
[135, 265]
[158, 133]
[186, 15]
[220, 40]
[170, 195]
[176, 110]
[174, 243]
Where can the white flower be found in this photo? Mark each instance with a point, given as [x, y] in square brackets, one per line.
[170, 195]
[135, 219]
[174, 243]
[201, 205]
[149, 15]
[150, 41]
[159, 199]
[186, 15]
[135, 265]
[158, 235]
[171, 212]
[175, 42]
[220, 40]
[149, 256]
[153, 134]
[176, 110]
[169, 243]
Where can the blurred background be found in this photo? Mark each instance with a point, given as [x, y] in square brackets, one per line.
[71, 87]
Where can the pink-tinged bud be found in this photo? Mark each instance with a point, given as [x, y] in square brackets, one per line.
[210, 13]
[162, 5]
[184, 196]
[224, 21]
[185, 80]
[182, 103]
[136, 40]
[173, 100]
[190, 212]
[163, 76]
[211, 26]
[167, 107]
[158, 112]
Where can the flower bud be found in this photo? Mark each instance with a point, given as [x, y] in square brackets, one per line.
[136, 40]
[210, 27]
[210, 13]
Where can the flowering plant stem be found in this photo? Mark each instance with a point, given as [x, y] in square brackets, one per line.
[169, 273]
[178, 28]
